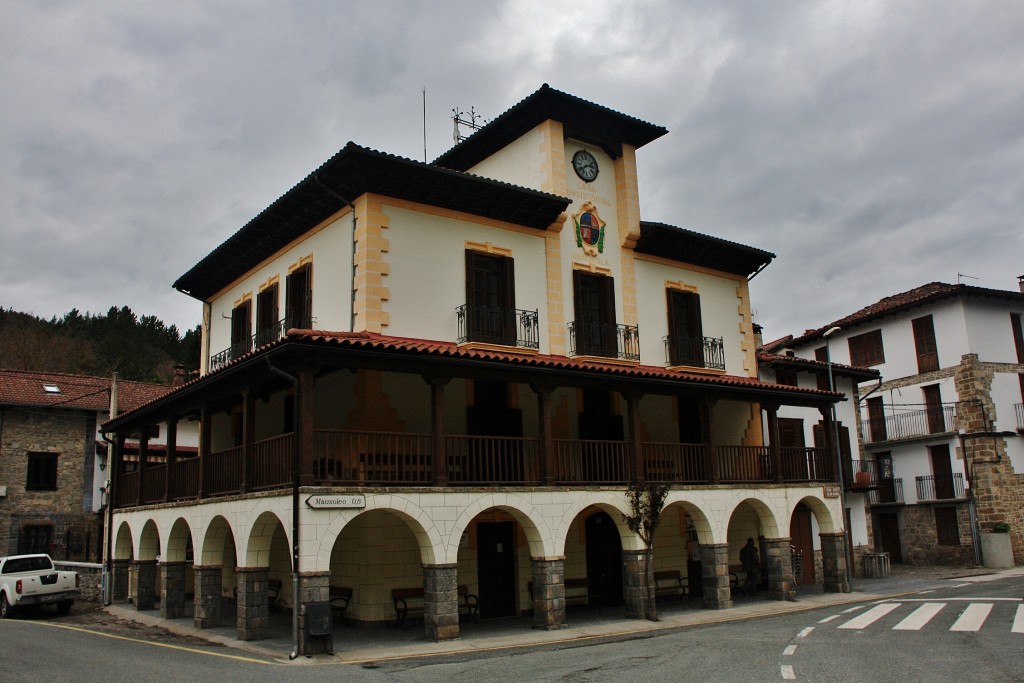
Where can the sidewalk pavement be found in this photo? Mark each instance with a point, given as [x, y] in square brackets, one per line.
[374, 644]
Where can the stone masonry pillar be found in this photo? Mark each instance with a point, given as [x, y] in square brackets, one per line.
[548, 594]
[145, 584]
[634, 584]
[833, 563]
[441, 601]
[314, 588]
[253, 613]
[714, 560]
[119, 580]
[172, 590]
[208, 600]
[779, 558]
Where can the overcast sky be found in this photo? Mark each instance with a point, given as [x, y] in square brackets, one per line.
[873, 147]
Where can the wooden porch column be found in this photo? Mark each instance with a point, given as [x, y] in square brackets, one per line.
[546, 456]
[830, 445]
[305, 437]
[172, 452]
[439, 459]
[116, 465]
[143, 448]
[714, 469]
[248, 436]
[635, 447]
[774, 447]
[205, 444]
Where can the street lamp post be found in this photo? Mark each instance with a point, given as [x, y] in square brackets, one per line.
[838, 458]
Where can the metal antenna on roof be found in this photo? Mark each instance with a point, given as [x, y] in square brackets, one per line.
[470, 121]
[424, 124]
[960, 278]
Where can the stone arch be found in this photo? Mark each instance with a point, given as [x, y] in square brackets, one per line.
[179, 541]
[214, 538]
[258, 543]
[529, 518]
[611, 502]
[124, 548]
[704, 525]
[149, 542]
[823, 515]
[428, 538]
[762, 506]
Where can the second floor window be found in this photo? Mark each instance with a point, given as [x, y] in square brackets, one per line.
[42, 472]
[924, 344]
[686, 334]
[299, 294]
[866, 349]
[267, 315]
[594, 303]
[933, 409]
[241, 328]
[490, 299]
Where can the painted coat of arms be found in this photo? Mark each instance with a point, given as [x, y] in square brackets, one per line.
[589, 230]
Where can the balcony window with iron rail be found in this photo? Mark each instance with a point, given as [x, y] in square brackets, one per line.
[496, 325]
[940, 487]
[263, 337]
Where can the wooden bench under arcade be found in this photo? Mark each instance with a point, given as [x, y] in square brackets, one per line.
[408, 603]
[670, 583]
[577, 591]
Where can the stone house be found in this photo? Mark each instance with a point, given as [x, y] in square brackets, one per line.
[798, 426]
[53, 460]
[941, 432]
[439, 379]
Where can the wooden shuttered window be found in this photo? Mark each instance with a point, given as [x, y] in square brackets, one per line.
[299, 298]
[594, 304]
[241, 328]
[686, 333]
[925, 345]
[866, 349]
[1018, 335]
[490, 298]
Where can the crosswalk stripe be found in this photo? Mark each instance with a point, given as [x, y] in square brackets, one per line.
[973, 617]
[1018, 621]
[871, 616]
[919, 617]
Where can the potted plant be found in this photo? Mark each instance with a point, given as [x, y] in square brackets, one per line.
[996, 550]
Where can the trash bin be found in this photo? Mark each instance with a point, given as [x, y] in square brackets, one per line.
[318, 627]
[876, 565]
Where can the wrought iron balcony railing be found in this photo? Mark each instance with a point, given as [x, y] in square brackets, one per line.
[268, 334]
[911, 423]
[695, 352]
[859, 475]
[599, 339]
[936, 487]
[496, 325]
[889, 491]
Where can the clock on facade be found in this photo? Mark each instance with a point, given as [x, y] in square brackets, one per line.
[585, 165]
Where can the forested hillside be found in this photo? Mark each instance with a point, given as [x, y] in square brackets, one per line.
[138, 348]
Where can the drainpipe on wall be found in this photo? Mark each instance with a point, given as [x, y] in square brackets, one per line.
[352, 283]
[296, 473]
[105, 588]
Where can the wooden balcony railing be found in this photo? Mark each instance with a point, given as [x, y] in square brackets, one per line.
[594, 462]
[683, 463]
[739, 464]
[355, 458]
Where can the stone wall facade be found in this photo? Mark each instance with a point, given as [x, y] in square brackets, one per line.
[75, 531]
[998, 491]
[920, 538]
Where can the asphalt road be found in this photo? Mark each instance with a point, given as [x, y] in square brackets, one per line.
[970, 632]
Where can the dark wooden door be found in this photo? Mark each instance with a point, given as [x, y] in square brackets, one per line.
[604, 560]
[803, 540]
[889, 535]
[942, 469]
[594, 305]
[496, 568]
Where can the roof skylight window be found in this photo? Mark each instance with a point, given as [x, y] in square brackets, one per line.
[51, 388]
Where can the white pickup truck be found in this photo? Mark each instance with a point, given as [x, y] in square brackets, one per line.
[31, 580]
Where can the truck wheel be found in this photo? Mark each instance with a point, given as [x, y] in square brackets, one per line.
[65, 606]
[5, 607]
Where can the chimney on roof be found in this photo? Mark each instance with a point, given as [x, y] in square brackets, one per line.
[1020, 283]
[179, 375]
[759, 336]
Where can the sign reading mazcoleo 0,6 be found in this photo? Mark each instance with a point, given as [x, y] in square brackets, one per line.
[341, 500]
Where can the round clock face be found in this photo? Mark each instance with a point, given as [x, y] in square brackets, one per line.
[585, 165]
